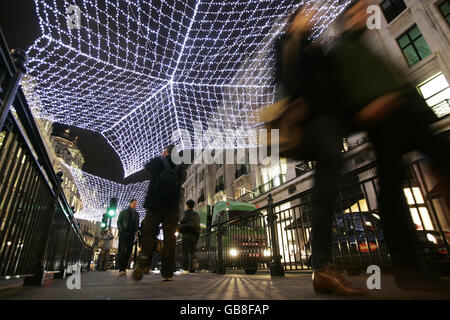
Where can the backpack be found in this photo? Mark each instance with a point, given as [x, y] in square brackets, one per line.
[166, 184]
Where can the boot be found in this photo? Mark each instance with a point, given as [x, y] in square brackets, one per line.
[329, 280]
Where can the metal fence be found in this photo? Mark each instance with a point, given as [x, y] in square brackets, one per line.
[37, 230]
[276, 237]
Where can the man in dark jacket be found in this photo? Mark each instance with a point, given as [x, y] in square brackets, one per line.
[189, 227]
[162, 204]
[128, 225]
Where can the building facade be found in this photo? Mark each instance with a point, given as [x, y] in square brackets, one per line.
[415, 35]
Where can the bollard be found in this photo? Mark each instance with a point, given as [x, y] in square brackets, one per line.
[276, 268]
[19, 59]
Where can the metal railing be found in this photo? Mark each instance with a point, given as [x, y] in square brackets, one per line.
[270, 185]
[38, 232]
[276, 237]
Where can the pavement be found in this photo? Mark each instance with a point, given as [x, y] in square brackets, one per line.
[108, 285]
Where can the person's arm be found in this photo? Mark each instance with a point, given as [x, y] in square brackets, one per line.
[197, 222]
[378, 110]
[119, 221]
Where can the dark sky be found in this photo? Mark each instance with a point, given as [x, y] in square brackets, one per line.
[20, 25]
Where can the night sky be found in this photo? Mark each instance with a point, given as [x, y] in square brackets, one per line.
[20, 25]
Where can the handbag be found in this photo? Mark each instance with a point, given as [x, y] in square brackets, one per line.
[287, 116]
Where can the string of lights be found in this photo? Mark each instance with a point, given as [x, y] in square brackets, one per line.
[138, 71]
[97, 192]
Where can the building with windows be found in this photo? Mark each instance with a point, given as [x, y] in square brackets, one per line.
[416, 36]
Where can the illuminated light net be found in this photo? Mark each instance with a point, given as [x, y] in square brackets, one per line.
[138, 71]
[96, 193]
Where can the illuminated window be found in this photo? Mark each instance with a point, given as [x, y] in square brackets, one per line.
[436, 93]
[444, 7]
[414, 46]
[419, 211]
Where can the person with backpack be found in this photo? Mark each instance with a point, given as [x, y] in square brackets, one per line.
[189, 227]
[162, 205]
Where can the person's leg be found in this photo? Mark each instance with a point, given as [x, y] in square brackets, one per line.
[193, 250]
[130, 242]
[327, 150]
[170, 222]
[149, 233]
[185, 247]
[399, 230]
[122, 251]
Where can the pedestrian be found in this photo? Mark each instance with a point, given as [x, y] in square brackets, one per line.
[128, 225]
[162, 204]
[305, 74]
[379, 100]
[189, 227]
[106, 249]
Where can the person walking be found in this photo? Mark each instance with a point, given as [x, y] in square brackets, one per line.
[128, 225]
[304, 73]
[189, 227]
[378, 99]
[106, 250]
[162, 204]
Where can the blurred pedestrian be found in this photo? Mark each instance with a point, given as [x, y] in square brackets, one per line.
[189, 227]
[305, 73]
[378, 99]
[162, 204]
[106, 250]
[128, 225]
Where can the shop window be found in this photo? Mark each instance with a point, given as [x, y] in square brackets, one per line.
[414, 46]
[392, 8]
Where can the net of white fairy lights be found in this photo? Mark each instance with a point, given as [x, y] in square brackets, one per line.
[97, 192]
[141, 71]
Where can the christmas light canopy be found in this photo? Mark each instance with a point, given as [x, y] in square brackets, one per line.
[141, 72]
[97, 192]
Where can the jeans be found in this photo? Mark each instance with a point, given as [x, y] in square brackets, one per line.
[126, 241]
[189, 249]
[150, 230]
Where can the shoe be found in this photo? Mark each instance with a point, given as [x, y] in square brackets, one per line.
[147, 271]
[183, 272]
[329, 280]
[122, 273]
[168, 279]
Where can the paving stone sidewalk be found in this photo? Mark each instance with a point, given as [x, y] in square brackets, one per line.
[203, 286]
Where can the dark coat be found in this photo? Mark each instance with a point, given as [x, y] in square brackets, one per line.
[190, 223]
[154, 167]
[128, 221]
[364, 77]
[304, 70]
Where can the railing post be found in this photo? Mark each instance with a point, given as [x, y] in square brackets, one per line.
[39, 274]
[220, 267]
[19, 58]
[276, 268]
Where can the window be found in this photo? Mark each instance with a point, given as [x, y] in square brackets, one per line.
[444, 7]
[414, 46]
[436, 93]
[418, 209]
[392, 8]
